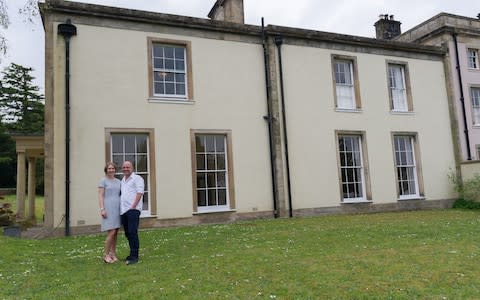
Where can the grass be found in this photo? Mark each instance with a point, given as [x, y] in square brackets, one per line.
[39, 205]
[409, 255]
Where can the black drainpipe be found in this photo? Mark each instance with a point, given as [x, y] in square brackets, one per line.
[462, 98]
[67, 30]
[279, 42]
[269, 118]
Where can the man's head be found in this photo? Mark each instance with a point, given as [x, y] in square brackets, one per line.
[127, 168]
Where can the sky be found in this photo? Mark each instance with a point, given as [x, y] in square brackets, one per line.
[354, 17]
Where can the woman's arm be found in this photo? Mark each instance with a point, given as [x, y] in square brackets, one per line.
[101, 201]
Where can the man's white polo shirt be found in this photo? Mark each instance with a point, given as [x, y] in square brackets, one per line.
[130, 187]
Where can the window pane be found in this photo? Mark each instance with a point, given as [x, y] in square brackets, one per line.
[179, 78]
[169, 77]
[169, 88]
[210, 143]
[169, 64]
[200, 143]
[117, 144]
[129, 143]
[211, 162]
[169, 52]
[145, 201]
[180, 53]
[141, 143]
[211, 182]
[220, 161]
[201, 198]
[180, 89]
[220, 143]
[201, 180]
[222, 197]
[212, 197]
[221, 182]
[142, 163]
[179, 65]
[200, 162]
[157, 51]
[158, 63]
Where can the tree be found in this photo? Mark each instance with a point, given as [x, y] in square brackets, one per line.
[29, 11]
[21, 104]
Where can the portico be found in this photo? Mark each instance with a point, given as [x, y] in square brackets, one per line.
[29, 148]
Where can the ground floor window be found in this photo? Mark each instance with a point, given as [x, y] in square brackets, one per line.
[351, 165]
[406, 166]
[212, 174]
[134, 147]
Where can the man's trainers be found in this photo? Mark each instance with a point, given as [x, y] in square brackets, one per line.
[128, 258]
[131, 261]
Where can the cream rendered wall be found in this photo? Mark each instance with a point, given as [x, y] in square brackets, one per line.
[109, 89]
[312, 121]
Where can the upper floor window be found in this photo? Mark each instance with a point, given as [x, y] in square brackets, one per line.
[473, 58]
[170, 70]
[400, 99]
[345, 80]
[476, 105]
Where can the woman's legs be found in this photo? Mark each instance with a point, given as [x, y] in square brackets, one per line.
[109, 240]
[113, 245]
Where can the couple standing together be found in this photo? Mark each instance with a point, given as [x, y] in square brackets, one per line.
[120, 204]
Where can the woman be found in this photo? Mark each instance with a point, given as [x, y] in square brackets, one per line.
[109, 201]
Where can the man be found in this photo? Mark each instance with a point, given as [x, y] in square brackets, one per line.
[131, 203]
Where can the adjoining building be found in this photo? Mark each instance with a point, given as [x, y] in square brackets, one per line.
[228, 121]
[461, 37]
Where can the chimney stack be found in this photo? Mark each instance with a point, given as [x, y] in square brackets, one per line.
[387, 28]
[228, 10]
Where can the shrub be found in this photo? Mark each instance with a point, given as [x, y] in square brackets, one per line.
[7, 217]
[466, 204]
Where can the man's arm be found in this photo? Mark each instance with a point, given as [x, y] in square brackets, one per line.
[138, 196]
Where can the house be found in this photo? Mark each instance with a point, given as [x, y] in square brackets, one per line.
[228, 121]
[461, 37]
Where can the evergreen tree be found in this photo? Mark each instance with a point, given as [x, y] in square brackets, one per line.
[21, 104]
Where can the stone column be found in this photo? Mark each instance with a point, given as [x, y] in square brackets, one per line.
[21, 185]
[31, 187]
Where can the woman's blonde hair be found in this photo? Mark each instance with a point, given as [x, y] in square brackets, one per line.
[108, 165]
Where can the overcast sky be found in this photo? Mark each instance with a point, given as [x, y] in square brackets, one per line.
[354, 17]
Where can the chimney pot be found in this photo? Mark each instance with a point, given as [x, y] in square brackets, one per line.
[387, 27]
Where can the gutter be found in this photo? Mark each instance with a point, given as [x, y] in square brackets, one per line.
[67, 30]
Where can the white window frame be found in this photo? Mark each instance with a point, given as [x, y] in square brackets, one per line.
[165, 71]
[398, 93]
[145, 212]
[475, 96]
[410, 164]
[344, 167]
[473, 59]
[197, 171]
[344, 101]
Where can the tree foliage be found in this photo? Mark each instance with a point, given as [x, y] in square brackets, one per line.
[21, 111]
[29, 11]
[21, 104]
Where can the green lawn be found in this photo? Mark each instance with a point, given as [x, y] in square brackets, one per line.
[39, 205]
[408, 255]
